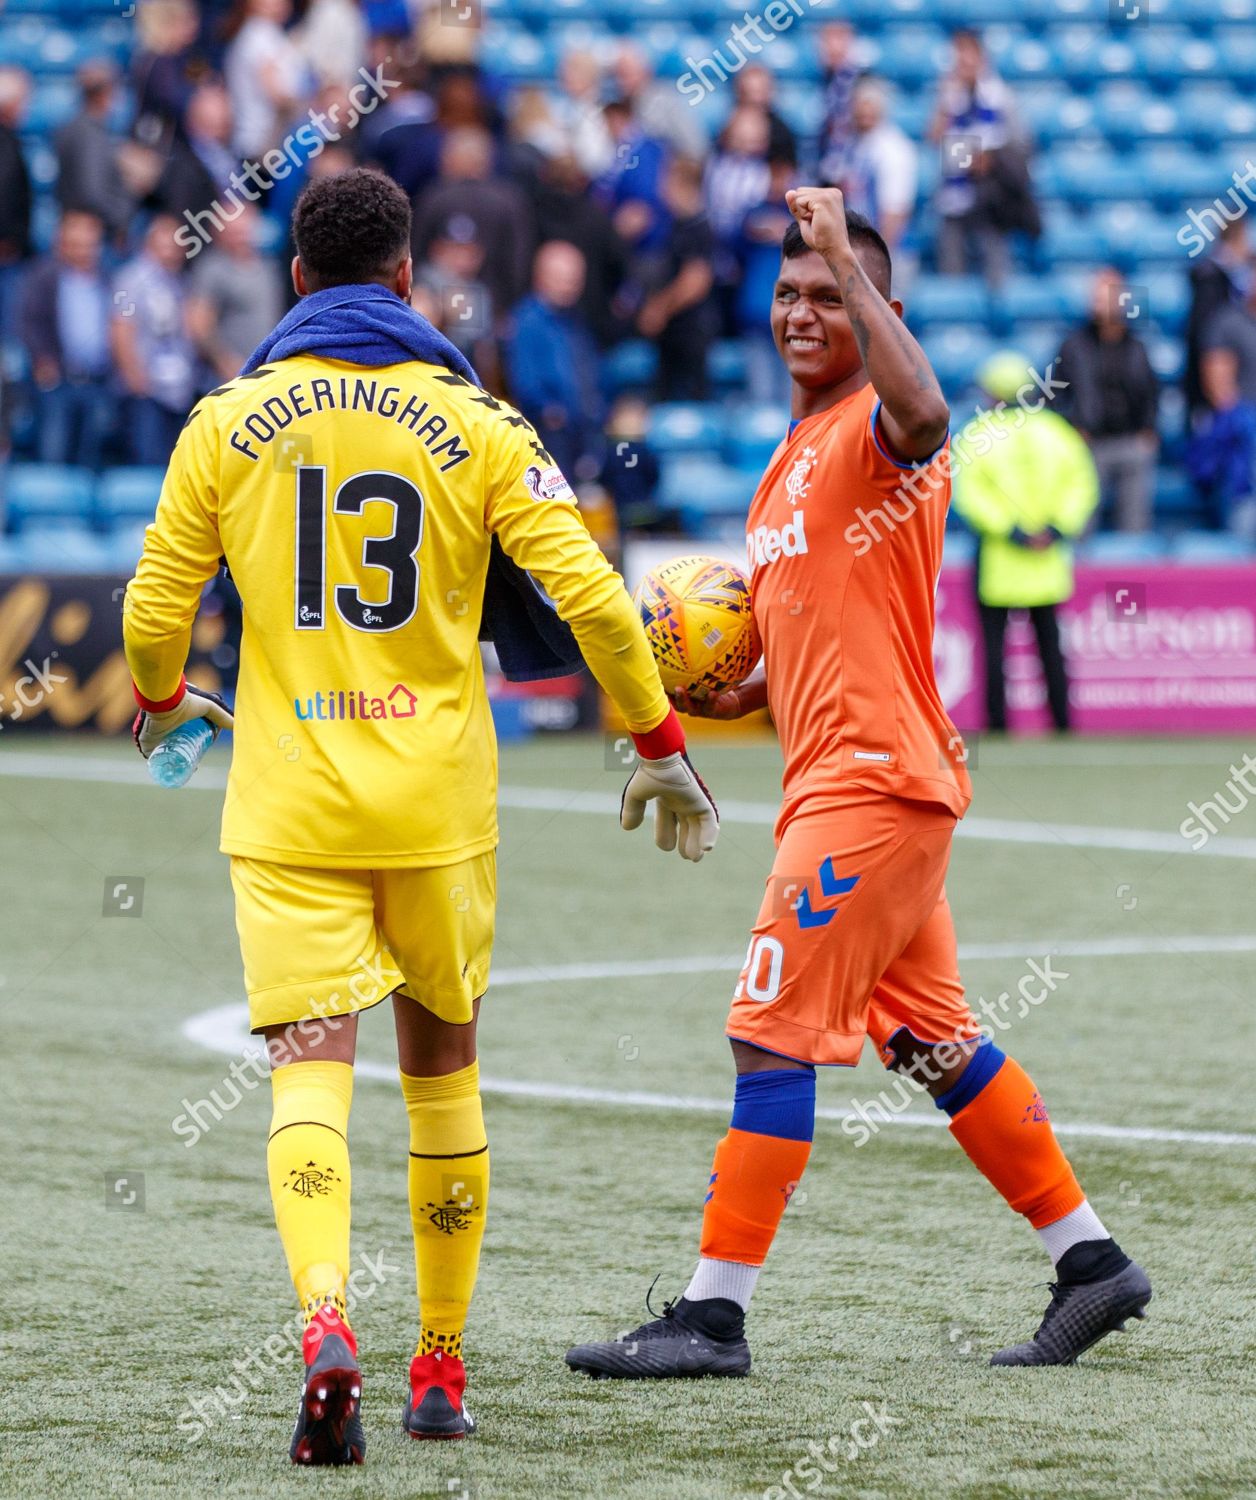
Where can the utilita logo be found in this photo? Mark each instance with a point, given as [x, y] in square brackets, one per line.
[352, 703]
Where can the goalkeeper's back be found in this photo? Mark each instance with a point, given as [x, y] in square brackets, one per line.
[355, 507]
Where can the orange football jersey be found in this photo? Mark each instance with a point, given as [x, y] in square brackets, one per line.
[844, 544]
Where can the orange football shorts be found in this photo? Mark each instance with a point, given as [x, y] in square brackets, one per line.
[854, 938]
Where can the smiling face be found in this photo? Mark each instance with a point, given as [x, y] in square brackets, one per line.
[809, 324]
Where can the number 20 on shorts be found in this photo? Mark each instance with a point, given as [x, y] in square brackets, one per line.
[754, 984]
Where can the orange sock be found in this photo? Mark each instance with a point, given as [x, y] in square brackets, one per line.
[752, 1178]
[1007, 1134]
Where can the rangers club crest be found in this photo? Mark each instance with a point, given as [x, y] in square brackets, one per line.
[796, 481]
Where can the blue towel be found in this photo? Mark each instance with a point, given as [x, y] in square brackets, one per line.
[369, 325]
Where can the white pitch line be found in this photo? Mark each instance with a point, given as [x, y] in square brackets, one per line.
[28, 766]
[225, 1029]
[1116, 947]
[986, 830]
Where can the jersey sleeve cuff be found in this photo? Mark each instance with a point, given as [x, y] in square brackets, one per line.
[161, 705]
[664, 739]
[902, 463]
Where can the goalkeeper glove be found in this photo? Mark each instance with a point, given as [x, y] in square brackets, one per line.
[155, 720]
[684, 813]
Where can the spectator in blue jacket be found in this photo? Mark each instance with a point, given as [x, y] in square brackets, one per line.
[631, 189]
[552, 361]
[64, 322]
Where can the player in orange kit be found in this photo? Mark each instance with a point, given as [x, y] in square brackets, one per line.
[854, 938]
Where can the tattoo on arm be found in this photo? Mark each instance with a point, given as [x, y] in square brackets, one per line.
[860, 297]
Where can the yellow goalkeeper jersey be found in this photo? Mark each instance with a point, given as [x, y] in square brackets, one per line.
[355, 508]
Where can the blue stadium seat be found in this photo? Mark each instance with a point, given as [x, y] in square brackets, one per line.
[1171, 54]
[1211, 547]
[1090, 173]
[703, 492]
[123, 548]
[726, 364]
[1205, 15]
[671, 47]
[955, 354]
[1168, 295]
[46, 494]
[41, 162]
[1026, 59]
[1053, 114]
[1027, 298]
[1238, 119]
[1089, 55]
[52, 104]
[911, 112]
[752, 434]
[1171, 172]
[1126, 112]
[518, 54]
[64, 549]
[1177, 500]
[14, 360]
[1040, 342]
[1237, 48]
[1135, 234]
[1071, 235]
[912, 55]
[128, 494]
[1168, 359]
[791, 57]
[801, 106]
[690, 427]
[952, 13]
[958, 545]
[630, 365]
[947, 299]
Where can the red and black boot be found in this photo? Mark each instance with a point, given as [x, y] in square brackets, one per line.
[434, 1407]
[329, 1420]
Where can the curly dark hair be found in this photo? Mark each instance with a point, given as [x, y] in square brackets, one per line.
[354, 227]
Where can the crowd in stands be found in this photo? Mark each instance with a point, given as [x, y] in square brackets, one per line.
[554, 222]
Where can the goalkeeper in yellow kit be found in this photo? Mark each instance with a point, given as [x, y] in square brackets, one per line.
[355, 496]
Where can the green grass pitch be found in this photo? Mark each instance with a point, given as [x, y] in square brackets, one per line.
[896, 1272]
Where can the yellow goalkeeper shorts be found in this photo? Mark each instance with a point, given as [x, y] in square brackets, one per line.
[330, 942]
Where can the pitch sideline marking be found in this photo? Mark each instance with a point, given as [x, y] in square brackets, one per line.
[224, 1030]
[25, 764]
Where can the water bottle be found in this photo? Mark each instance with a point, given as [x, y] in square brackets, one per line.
[179, 754]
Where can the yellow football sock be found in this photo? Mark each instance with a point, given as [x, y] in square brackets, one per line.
[448, 1199]
[307, 1161]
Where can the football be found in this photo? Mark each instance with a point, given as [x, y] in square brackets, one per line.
[697, 616]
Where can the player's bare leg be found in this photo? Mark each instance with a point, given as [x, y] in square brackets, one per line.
[999, 1119]
[307, 1162]
[449, 1171]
